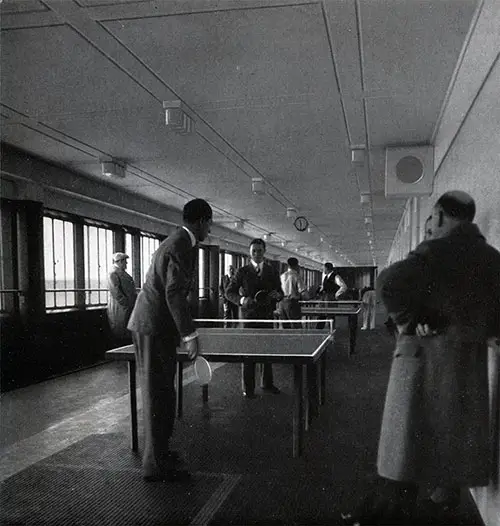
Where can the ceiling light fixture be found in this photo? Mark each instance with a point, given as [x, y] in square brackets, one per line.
[258, 186]
[238, 225]
[113, 169]
[176, 118]
[358, 157]
[291, 212]
[365, 198]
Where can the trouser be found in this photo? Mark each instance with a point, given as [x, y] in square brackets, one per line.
[369, 315]
[248, 367]
[156, 359]
[230, 312]
[289, 309]
[248, 376]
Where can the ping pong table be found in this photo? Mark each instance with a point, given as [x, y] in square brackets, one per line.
[330, 310]
[297, 347]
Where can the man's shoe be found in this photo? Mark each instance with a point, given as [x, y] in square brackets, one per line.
[171, 475]
[248, 394]
[271, 389]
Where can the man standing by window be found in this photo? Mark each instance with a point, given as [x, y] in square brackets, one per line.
[230, 309]
[121, 299]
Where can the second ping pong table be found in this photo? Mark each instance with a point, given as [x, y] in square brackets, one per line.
[330, 310]
[296, 347]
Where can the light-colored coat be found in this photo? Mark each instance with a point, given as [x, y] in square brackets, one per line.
[121, 301]
[435, 426]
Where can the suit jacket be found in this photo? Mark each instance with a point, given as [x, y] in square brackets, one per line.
[248, 283]
[435, 424]
[162, 306]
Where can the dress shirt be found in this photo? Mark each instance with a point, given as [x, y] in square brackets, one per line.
[292, 284]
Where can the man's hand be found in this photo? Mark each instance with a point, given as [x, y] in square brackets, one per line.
[275, 295]
[192, 348]
[423, 330]
[248, 302]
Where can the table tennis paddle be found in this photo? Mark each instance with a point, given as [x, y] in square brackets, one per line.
[202, 370]
[261, 296]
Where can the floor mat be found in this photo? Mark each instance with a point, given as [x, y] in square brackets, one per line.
[98, 481]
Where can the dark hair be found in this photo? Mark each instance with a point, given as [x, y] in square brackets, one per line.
[329, 266]
[196, 210]
[293, 262]
[462, 209]
[258, 241]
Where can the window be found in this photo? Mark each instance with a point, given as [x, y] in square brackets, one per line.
[148, 248]
[98, 251]
[59, 263]
[129, 252]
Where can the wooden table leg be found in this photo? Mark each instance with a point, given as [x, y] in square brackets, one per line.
[297, 427]
[322, 379]
[179, 389]
[132, 386]
[312, 394]
[353, 329]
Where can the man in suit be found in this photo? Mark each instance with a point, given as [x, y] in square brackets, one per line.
[230, 309]
[293, 287]
[160, 322]
[445, 300]
[258, 275]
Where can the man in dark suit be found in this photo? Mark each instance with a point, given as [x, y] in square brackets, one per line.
[160, 322]
[230, 309]
[248, 280]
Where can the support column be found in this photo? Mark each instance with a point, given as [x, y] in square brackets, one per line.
[29, 226]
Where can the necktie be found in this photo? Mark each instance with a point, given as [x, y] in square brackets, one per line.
[258, 271]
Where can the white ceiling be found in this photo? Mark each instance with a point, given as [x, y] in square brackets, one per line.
[277, 89]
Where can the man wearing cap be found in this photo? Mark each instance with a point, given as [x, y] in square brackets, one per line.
[121, 299]
[160, 322]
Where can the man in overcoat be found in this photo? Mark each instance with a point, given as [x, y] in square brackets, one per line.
[160, 322]
[121, 299]
[258, 275]
[445, 299]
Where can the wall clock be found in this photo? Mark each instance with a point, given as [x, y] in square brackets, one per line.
[301, 223]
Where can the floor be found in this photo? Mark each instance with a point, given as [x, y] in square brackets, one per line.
[75, 428]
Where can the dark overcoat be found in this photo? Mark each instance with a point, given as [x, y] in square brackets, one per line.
[435, 426]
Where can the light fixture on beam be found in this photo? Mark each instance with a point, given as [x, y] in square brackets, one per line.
[368, 220]
[365, 198]
[358, 156]
[238, 224]
[310, 229]
[176, 118]
[284, 243]
[291, 212]
[258, 186]
[267, 237]
[113, 169]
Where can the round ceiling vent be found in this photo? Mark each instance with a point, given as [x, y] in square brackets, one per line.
[409, 170]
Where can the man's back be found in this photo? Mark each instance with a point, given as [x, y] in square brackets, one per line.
[455, 278]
